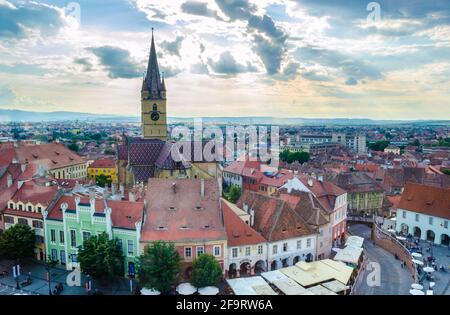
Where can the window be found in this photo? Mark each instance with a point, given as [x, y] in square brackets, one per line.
[74, 258]
[308, 242]
[321, 244]
[61, 237]
[22, 221]
[430, 220]
[404, 214]
[86, 235]
[200, 250]
[39, 240]
[63, 257]
[321, 232]
[248, 251]
[446, 224]
[37, 224]
[130, 248]
[11, 206]
[260, 249]
[119, 242]
[187, 252]
[52, 236]
[155, 107]
[275, 249]
[9, 220]
[217, 252]
[285, 247]
[30, 208]
[54, 254]
[417, 217]
[234, 252]
[73, 238]
[299, 244]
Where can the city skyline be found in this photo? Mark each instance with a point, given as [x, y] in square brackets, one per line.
[229, 58]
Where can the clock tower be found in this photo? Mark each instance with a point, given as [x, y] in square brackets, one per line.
[153, 100]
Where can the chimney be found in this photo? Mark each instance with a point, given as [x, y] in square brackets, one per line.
[310, 181]
[113, 189]
[23, 167]
[320, 178]
[202, 187]
[9, 180]
[174, 187]
[122, 190]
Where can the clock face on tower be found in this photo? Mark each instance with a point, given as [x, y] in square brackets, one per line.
[154, 116]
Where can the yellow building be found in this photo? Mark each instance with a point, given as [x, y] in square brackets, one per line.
[392, 149]
[105, 167]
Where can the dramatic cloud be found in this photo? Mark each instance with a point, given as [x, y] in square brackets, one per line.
[117, 62]
[227, 65]
[174, 47]
[199, 8]
[237, 9]
[264, 57]
[18, 21]
[85, 62]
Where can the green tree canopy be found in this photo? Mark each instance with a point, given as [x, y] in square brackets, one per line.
[290, 157]
[102, 180]
[378, 146]
[73, 146]
[101, 257]
[159, 266]
[17, 242]
[233, 194]
[206, 271]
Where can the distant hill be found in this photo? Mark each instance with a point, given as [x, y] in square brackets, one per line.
[8, 115]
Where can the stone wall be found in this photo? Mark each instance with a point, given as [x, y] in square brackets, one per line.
[392, 245]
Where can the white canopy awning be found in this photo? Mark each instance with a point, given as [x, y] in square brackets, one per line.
[186, 289]
[147, 291]
[208, 291]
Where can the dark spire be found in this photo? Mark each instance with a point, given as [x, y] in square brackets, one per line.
[153, 78]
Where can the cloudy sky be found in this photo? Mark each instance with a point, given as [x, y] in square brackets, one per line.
[291, 58]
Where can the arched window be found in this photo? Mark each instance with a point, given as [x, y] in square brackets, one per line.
[155, 107]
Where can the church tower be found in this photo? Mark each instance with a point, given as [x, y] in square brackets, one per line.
[153, 100]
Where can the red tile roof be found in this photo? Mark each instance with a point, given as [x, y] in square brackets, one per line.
[274, 219]
[50, 155]
[7, 153]
[238, 232]
[103, 163]
[124, 214]
[35, 193]
[182, 214]
[428, 200]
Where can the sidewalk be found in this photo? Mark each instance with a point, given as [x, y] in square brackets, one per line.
[39, 284]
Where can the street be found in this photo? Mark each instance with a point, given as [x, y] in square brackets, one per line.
[395, 280]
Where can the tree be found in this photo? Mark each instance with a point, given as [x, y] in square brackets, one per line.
[159, 266]
[290, 157]
[17, 242]
[206, 271]
[446, 171]
[101, 257]
[379, 145]
[233, 194]
[109, 151]
[103, 180]
[74, 146]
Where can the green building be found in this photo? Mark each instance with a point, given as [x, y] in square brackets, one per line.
[73, 219]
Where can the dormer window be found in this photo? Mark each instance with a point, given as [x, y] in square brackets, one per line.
[11, 205]
[30, 208]
[172, 208]
[161, 228]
